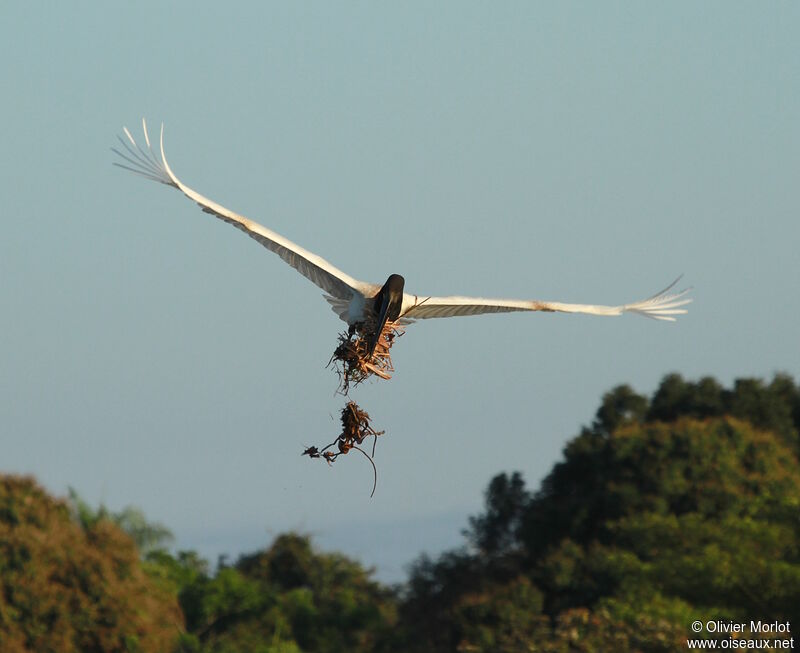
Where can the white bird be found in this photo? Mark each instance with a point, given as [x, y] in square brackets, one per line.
[357, 302]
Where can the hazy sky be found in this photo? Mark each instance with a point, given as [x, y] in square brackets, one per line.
[585, 152]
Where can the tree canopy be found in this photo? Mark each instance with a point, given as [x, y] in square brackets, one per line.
[667, 509]
[67, 586]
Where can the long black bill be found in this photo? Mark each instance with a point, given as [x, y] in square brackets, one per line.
[382, 317]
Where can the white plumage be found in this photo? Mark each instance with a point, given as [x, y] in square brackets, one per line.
[350, 298]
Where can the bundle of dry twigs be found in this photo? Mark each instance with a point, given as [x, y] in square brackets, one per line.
[357, 364]
[356, 428]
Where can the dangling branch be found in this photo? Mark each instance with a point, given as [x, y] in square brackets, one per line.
[356, 428]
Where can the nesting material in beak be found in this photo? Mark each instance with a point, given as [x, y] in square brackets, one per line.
[360, 358]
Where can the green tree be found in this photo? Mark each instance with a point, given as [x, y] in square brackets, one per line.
[148, 536]
[495, 532]
[285, 598]
[67, 586]
[667, 509]
[621, 406]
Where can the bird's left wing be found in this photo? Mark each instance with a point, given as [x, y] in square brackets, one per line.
[661, 306]
[332, 280]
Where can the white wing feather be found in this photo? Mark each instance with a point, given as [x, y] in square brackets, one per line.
[340, 287]
[661, 306]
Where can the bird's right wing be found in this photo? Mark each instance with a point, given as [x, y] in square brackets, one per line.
[661, 306]
[339, 286]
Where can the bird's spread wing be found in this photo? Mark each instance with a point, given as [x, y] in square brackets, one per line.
[340, 287]
[661, 306]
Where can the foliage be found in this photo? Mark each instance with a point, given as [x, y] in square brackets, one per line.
[285, 598]
[667, 509]
[66, 586]
[773, 406]
[148, 536]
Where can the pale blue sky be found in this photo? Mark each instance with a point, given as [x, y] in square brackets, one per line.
[585, 152]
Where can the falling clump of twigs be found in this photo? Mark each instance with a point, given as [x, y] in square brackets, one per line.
[352, 360]
[356, 428]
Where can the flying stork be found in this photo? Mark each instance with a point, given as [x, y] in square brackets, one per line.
[358, 302]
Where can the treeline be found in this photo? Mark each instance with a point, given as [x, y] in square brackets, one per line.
[668, 509]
